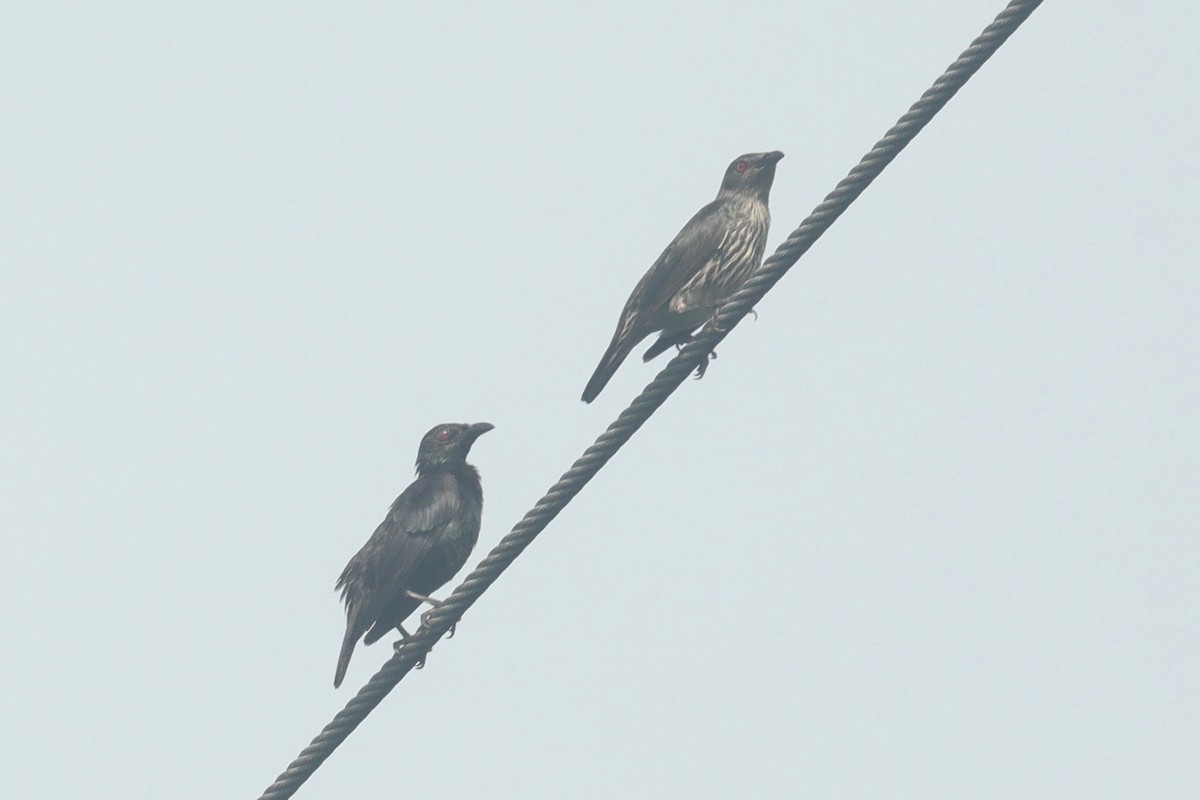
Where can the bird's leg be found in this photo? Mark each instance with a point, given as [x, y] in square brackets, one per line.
[433, 602]
[405, 636]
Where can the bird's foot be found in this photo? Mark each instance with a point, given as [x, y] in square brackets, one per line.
[700, 370]
[406, 637]
[425, 617]
[425, 620]
[717, 313]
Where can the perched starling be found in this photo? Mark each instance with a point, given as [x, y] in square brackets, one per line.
[425, 539]
[706, 263]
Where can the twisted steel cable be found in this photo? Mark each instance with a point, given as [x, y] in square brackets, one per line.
[443, 617]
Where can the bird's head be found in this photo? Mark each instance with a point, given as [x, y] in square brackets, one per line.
[448, 444]
[751, 172]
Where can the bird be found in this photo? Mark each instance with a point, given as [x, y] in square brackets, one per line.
[426, 537]
[702, 267]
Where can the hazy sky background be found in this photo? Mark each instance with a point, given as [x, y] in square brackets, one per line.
[928, 528]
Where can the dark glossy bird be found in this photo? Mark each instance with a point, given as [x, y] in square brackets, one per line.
[705, 264]
[425, 539]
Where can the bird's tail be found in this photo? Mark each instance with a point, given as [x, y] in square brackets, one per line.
[617, 350]
[348, 642]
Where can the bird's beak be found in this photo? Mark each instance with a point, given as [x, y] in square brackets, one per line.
[773, 157]
[479, 429]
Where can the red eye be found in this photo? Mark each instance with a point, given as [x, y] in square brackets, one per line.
[443, 435]
[742, 166]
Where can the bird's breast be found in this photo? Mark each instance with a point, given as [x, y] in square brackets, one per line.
[736, 257]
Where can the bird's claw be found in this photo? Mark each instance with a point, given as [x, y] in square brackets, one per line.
[703, 367]
[425, 620]
[717, 313]
[399, 645]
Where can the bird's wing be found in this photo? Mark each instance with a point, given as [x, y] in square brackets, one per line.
[385, 563]
[412, 524]
[404, 537]
[692, 249]
[650, 306]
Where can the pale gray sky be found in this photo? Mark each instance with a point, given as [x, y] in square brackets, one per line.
[928, 528]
